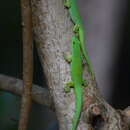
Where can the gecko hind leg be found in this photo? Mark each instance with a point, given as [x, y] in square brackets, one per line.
[68, 57]
[76, 28]
[68, 87]
[85, 83]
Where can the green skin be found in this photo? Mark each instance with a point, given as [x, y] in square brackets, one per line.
[77, 79]
[78, 48]
[79, 29]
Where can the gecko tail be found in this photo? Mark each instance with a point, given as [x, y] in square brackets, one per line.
[76, 120]
[79, 104]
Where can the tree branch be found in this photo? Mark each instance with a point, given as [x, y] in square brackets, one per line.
[27, 64]
[15, 86]
[53, 32]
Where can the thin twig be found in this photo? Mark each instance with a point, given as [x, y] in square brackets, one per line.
[27, 64]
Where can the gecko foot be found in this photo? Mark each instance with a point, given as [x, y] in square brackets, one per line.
[68, 57]
[85, 83]
[67, 4]
[68, 87]
[76, 28]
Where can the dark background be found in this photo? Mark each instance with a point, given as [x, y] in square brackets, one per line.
[108, 28]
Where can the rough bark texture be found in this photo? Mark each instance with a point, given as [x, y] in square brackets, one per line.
[53, 32]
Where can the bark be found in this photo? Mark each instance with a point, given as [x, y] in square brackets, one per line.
[53, 31]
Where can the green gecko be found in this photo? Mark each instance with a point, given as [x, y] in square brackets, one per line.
[79, 29]
[77, 79]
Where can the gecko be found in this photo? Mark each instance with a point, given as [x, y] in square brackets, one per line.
[77, 79]
[79, 29]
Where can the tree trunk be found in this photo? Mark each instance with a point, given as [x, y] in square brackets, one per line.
[53, 32]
